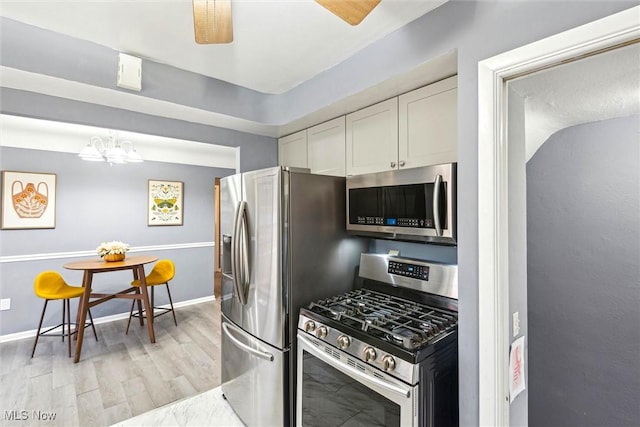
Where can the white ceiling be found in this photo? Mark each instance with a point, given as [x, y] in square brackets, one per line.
[277, 45]
[594, 88]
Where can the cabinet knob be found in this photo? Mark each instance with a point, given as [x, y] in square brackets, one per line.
[393, 164]
[401, 163]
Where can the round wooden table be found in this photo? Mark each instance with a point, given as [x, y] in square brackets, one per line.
[93, 266]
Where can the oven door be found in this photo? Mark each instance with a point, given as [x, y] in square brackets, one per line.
[335, 389]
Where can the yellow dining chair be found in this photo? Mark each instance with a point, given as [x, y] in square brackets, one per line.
[161, 274]
[50, 285]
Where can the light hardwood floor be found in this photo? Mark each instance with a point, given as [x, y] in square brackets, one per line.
[118, 377]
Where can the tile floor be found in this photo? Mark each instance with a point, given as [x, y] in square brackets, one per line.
[205, 409]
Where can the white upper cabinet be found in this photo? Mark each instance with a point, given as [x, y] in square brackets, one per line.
[416, 129]
[292, 150]
[427, 125]
[326, 147]
[372, 138]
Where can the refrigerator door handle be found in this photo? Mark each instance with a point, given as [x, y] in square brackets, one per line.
[244, 254]
[236, 262]
[243, 250]
[261, 354]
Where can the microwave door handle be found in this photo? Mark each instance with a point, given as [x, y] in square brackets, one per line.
[261, 354]
[354, 372]
[436, 205]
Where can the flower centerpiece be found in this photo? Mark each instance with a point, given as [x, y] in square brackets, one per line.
[112, 251]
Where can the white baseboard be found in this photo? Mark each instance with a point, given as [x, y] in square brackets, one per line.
[32, 333]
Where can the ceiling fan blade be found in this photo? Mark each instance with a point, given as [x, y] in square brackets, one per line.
[351, 11]
[212, 21]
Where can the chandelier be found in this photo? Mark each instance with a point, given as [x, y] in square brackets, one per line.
[112, 151]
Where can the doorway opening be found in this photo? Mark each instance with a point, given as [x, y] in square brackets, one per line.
[498, 263]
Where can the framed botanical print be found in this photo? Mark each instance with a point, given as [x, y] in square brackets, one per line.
[28, 200]
[165, 203]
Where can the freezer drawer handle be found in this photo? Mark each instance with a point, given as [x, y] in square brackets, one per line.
[257, 353]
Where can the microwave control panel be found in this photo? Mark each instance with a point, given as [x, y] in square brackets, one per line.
[414, 271]
[395, 222]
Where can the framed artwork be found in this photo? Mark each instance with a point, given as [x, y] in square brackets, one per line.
[165, 203]
[28, 200]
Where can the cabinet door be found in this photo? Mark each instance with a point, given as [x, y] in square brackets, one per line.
[372, 138]
[326, 147]
[292, 150]
[427, 125]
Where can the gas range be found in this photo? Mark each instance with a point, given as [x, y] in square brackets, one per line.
[403, 313]
[385, 353]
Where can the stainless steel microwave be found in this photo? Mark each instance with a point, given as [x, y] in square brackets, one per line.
[416, 204]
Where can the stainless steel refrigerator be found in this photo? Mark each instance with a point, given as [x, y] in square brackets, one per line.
[284, 246]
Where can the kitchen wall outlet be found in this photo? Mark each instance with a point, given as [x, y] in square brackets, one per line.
[5, 304]
[516, 324]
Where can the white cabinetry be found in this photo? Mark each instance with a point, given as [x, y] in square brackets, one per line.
[416, 129]
[292, 150]
[326, 147]
[372, 138]
[427, 125]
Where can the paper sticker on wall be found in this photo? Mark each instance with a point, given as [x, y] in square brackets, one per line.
[516, 369]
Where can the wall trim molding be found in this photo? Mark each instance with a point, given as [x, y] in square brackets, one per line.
[105, 319]
[493, 203]
[92, 253]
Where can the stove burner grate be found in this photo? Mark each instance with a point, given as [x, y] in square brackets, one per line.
[402, 322]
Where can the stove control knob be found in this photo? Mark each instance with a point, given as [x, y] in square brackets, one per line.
[343, 342]
[310, 326]
[388, 363]
[321, 332]
[369, 354]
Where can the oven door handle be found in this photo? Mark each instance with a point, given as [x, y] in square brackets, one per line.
[355, 373]
[261, 354]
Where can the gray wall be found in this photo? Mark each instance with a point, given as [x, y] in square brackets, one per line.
[40, 51]
[583, 206]
[97, 202]
[256, 151]
[478, 30]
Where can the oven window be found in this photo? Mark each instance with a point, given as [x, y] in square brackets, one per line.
[332, 399]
